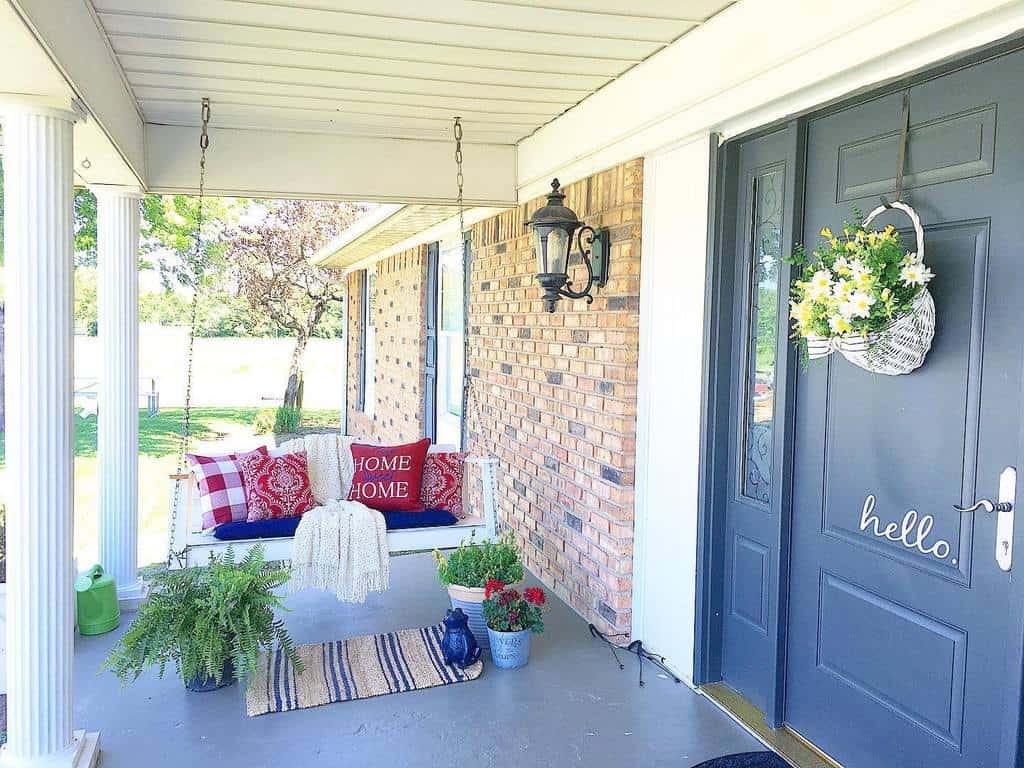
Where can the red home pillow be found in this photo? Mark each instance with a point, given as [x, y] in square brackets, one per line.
[388, 477]
[277, 486]
[442, 482]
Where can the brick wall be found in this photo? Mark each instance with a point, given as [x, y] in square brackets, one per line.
[559, 398]
[401, 348]
[558, 391]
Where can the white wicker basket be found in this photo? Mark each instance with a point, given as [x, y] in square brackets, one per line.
[902, 346]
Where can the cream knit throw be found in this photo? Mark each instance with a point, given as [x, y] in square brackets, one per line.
[341, 547]
[329, 458]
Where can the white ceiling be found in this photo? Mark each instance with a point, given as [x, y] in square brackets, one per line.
[394, 68]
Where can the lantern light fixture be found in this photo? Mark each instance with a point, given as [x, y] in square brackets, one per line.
[555, 226]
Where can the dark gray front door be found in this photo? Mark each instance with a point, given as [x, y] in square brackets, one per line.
[897, 643]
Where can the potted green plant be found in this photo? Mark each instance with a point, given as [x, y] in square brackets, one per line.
[511, 619]
[210, 622]
[466, 570]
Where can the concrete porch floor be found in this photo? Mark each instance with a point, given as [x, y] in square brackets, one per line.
[570, 706]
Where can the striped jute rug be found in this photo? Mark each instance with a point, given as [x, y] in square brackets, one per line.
[357, 668]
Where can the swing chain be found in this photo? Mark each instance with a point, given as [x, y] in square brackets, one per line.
[474, 422]
[186, 419]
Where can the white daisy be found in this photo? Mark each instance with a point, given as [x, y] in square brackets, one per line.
[859, 305]
[916, 274]
[841, 290]
[821, 285]
[839, 325]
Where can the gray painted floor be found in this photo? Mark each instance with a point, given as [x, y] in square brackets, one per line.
[570, 706]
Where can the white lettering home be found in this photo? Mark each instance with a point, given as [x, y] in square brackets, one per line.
[383, 463]
[394, 490]
[912, 532]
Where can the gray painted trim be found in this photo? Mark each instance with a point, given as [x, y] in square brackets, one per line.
[707, 643]
[787, 370]
[430, 320]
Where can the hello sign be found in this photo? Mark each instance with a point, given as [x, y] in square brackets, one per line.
[912, 531]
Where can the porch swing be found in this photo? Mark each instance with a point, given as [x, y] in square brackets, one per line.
[189, 545]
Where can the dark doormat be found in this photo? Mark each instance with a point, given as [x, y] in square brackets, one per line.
[746, 760]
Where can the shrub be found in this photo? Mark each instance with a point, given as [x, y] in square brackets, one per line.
[201, 618]
[473, 564]
[287, 420]
[263, 422]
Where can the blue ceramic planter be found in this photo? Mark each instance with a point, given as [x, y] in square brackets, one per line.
[475, 613]
[509, 650]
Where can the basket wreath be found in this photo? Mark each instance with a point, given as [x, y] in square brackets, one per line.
[863, 293]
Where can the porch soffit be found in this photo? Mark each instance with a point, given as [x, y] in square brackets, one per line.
[389, 229]
[391, 68]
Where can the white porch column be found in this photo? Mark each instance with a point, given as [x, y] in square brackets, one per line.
[117, 305]
[40, 446]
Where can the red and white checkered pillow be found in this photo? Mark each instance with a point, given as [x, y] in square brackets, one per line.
[222, 495]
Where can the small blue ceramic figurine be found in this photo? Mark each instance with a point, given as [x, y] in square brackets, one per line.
[458, 645]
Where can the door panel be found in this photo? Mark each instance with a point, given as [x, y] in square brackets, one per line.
[897, 632]
[755, 486]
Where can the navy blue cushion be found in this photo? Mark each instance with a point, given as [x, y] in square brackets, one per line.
[428, 518]
[259, 529]
[285, 527]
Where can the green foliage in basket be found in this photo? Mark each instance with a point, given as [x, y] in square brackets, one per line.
[263, 422]
[474, 563]
[199, 618]
[287, 420]
[856, 281]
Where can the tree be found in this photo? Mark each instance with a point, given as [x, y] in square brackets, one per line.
[270, 262]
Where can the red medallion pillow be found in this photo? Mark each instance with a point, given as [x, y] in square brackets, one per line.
[222, 495]
[277, 486]
[388, 477]
[442, 482]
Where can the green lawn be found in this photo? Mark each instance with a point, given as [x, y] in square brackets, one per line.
[213, 429]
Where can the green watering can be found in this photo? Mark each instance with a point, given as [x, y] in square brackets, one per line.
[96, 596]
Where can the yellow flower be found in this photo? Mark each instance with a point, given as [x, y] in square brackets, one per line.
[826, 233]
[850, 245]
[834, 242]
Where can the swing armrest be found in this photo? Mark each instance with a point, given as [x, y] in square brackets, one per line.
[488, 509]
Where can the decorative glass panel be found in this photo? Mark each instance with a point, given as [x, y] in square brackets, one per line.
[767, 195]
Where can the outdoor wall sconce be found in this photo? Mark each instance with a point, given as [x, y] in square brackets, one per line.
[554, 227]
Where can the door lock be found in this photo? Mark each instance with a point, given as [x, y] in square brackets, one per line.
[1004, 516]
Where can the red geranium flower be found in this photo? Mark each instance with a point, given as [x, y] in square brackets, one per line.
[535, 595]
[507, 597]
[492, 586]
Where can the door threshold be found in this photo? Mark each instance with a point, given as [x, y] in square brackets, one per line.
[787, 743]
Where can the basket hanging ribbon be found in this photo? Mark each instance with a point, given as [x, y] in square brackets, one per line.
[819, 346]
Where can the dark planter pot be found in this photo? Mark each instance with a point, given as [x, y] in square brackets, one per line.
[203, 684]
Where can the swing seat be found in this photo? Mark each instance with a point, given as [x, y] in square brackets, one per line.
[407, 531]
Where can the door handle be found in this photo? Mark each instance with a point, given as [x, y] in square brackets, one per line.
[1004, 516]
[988, 506]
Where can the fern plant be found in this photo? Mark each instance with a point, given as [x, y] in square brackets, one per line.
[199, 619]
